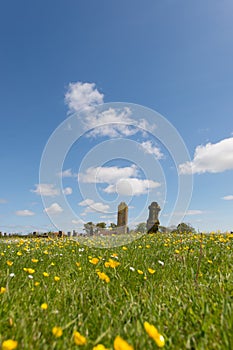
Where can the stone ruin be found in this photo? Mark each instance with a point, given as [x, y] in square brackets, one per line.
[152, 224]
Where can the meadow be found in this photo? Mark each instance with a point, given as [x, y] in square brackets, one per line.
[166, 291]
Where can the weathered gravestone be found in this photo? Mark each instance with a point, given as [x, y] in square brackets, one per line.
[122, 217]
[152, 224]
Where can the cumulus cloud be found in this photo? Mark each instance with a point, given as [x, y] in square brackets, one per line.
[48, 190]
[67, 191]
[82, 96]
[132, 187]
[212, 158]
[228, 198]
[113, 122]
[92, 206]
[24, 212]
[150, 149]
[66, 173]
[107, 174]
[55, 208]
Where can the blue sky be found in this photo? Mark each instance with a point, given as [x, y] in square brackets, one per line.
[174, 57]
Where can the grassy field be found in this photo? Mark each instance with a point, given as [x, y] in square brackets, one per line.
[183, 285]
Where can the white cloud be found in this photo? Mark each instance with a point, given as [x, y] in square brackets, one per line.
[3, 201]
[228, 198]
[107, 174]
[150, 149]
[132, 187]
[24, 212]
[82, 96]
[67, 191]
[78, 222]
[66, 173]
[117, 121]
[212, 158]
[86, 202]
[55, 208]
[46, 190]
[97, 207]
[92, 206]
[194, 212]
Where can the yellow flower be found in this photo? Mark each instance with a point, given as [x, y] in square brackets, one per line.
[19, 253]
[210, 261]
[35, 260]
[2, 290]
[9, 344]
[124, 248]
[31, 271]
[45, 274]
[140, 272]
[57, 332]
[99, 347]
[79, 339]
[154, 334]
[151, 271]
[177, 251]
[78, 264]
[103, 276]
[9, 263]
[56, 278]
[94, 261]
[36, 284]
[111, 263]
[121, 344]
[44, 306]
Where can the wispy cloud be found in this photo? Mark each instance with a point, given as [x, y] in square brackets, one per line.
[149, 148]
[212, 158]
[228, 198]
[24, 212]
[3, 201]
[66, 173]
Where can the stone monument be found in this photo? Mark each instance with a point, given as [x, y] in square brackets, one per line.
[152, 224]
[122, 216]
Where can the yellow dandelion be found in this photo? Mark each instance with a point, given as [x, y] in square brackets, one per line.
[9, 263]
[111, 263]
[9, 344]
[30, 271]
[151, 271]
[45, 274]
[19, 253]
[56, 278]
[79, 339]
[140, 272]
[35, 260]
[154, 334]
[94, 261]
[177, 251]
[2, 290]
[103, 276]
[121, 344]
[124, 248]
[99, 347]
[44, 306]
[36, 284]
[210, 261]
[57, 332]
[78, 264]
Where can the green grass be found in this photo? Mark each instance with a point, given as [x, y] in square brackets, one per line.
[189, 299]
